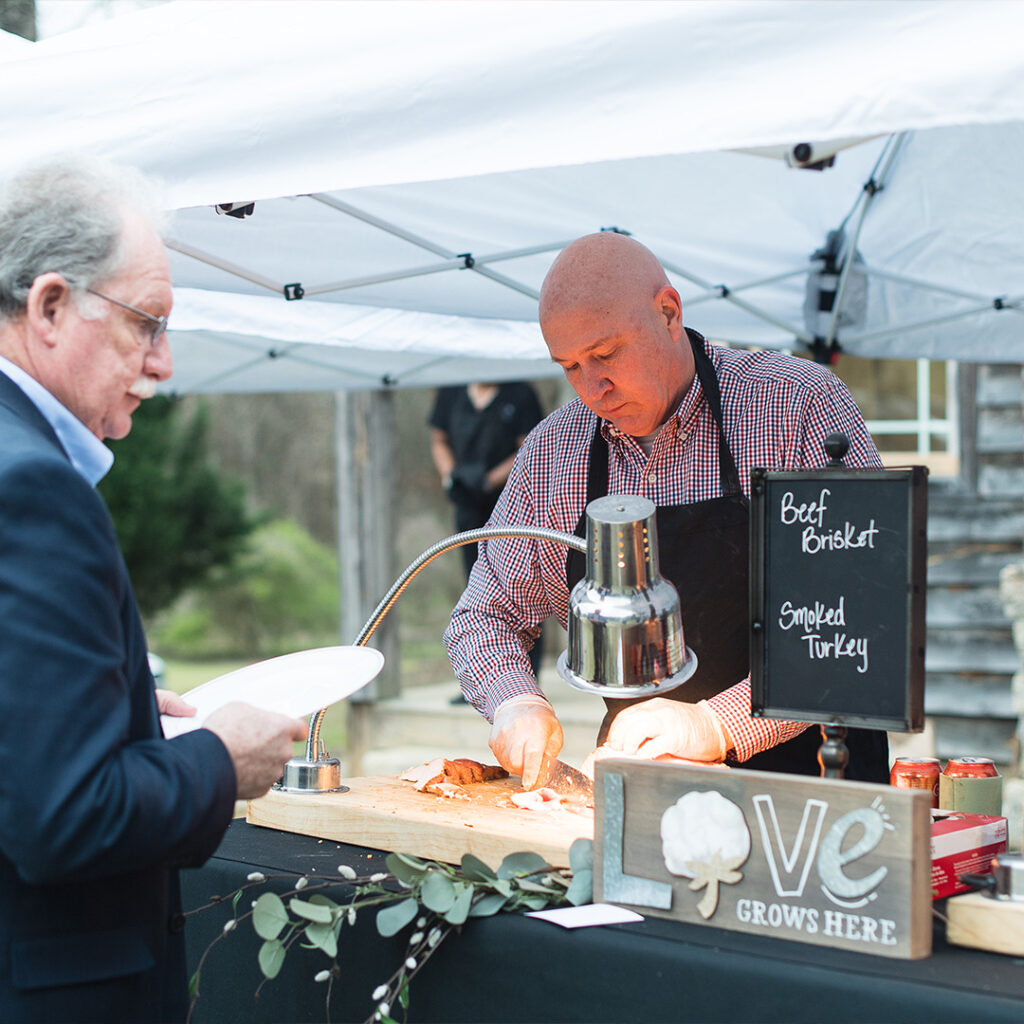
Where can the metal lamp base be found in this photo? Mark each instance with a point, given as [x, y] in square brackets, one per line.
[623, 690]
[303, 776]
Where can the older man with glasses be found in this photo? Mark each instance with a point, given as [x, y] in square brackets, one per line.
[97, 809]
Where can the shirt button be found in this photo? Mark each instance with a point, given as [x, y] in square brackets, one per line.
[176, 924]
[652, 478]
[683, 435]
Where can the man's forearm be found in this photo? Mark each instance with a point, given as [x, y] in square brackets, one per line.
[441, 453]
[749, 735]
[489, 660]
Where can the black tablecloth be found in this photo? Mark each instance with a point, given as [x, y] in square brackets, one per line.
[511, 968]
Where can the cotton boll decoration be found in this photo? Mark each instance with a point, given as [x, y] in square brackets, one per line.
[705, 837]
[699, 825]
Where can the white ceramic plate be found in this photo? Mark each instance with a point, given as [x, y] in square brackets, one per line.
[294, 684]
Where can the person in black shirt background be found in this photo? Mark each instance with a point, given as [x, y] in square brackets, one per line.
[475, 432]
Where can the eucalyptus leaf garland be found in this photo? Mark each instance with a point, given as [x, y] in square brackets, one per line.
[434, 897]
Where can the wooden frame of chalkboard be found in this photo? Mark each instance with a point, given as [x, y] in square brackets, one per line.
[837, 597]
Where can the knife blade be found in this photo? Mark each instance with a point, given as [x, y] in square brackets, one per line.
[568, 781]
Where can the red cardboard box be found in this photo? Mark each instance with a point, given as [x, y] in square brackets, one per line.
[963, 844]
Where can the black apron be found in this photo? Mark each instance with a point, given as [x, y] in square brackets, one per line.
[703, 551]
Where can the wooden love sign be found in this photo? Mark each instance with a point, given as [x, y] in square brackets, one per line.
[822, 861]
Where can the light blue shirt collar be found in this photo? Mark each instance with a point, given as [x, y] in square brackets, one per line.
[88, 454]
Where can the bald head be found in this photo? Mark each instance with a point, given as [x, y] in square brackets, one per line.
[603, 271]
[613, 322]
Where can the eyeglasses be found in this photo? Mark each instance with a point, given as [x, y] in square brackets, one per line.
[158, 323]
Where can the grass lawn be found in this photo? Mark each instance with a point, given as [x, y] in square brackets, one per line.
[182, 676]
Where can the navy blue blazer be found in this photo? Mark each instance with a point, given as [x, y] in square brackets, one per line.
[97, 809]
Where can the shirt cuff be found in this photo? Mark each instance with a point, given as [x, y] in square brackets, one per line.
[504, 688]
[749, 735]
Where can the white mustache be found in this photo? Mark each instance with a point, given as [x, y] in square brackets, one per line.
[143, 388]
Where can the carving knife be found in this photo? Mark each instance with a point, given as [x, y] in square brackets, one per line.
[568, 781]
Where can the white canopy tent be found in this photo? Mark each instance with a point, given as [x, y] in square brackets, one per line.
[12, 45]
[415, 166]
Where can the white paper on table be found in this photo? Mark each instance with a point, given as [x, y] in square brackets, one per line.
[587, 916]
[294, 684]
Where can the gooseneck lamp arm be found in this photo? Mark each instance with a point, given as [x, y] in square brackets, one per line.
[625, 629]
[446, 544]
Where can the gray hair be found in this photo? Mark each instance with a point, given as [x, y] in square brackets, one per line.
[68, 215]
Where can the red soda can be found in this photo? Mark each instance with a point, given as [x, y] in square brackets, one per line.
[917, 773]
[970, 768]
[971, 785]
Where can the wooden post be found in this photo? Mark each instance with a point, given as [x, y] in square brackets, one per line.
[364, 446]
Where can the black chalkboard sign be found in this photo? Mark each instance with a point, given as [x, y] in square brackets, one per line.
[838, 596]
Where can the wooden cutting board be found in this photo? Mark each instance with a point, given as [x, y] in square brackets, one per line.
[385, 813]
[981, 922]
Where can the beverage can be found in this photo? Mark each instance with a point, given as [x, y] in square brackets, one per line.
[917, 773]
[970, 768]
[972, 785]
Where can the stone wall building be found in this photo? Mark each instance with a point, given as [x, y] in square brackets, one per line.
[975, 530]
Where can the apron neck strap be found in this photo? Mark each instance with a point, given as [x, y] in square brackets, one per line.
[728, 475]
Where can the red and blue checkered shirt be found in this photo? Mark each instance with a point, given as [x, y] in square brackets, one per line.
[777, 412]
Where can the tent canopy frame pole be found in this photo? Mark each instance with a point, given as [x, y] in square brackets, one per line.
[221, 264]
[722, 291]
[914, 282]
[424, 243]
[878, 181]
[716, 292]
[896, 329]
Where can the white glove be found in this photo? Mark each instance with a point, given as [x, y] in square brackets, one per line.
[660, 726]
[526, 738]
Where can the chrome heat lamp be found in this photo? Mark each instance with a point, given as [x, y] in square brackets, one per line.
[625, 635]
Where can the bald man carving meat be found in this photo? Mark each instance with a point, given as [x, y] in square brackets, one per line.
[664, 414]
